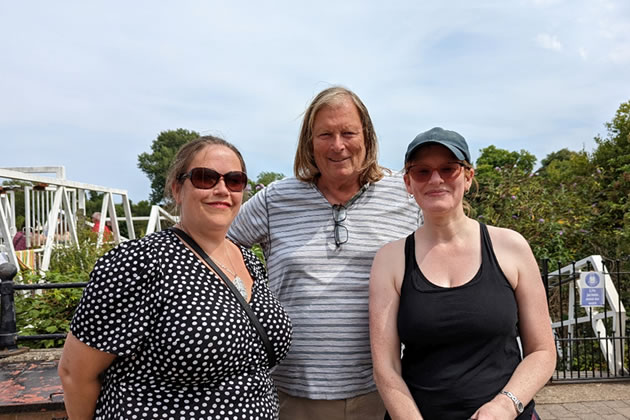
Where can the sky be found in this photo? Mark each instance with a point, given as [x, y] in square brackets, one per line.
[90, 85]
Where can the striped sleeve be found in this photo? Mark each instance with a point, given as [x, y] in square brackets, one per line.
[251, 225]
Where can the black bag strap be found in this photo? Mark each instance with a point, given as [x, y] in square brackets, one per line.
[248, 310]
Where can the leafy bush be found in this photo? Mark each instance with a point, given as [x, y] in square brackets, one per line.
[50, 311]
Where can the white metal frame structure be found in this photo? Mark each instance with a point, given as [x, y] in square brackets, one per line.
[157, 214]
[58, 203]
[611, 349]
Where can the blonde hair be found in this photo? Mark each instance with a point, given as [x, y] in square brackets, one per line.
[467, 206]
[304, 166]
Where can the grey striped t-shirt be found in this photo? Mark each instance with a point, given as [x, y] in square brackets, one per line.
[324, 288]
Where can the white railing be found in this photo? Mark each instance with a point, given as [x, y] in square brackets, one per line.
[55, 203]
[155, 219]
[51, 206]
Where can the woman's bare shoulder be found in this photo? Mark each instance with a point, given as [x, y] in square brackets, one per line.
[507, 238]
[392, 248]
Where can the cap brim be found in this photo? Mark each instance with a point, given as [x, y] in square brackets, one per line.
[457, 152]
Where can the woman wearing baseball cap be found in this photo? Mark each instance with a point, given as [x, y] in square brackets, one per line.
[458, 295]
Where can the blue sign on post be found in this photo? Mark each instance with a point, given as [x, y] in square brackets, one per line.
[592, 289]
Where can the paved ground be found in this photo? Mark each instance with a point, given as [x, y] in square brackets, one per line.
[593, 401]
[590, 401]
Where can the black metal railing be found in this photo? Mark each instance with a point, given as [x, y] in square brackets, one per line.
[9, 337]
[592, 344]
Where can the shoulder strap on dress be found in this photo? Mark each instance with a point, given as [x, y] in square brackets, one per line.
[489, 258]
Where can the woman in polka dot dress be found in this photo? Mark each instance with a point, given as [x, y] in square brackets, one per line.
[157, 333]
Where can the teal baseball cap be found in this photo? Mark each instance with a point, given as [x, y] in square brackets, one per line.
[453, 141]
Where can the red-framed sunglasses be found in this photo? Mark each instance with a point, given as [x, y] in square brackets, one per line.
[423, 173]
[206, 178]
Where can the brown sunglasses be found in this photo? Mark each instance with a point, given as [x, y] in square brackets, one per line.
[206, 178]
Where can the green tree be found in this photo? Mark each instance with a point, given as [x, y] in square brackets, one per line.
[566, 167]
[493, 160]
[266, 178]
[561, 155]
[525, 203]
[494, 157]
[612, 158]
[18, 188]
[553, 208]
[155, 164]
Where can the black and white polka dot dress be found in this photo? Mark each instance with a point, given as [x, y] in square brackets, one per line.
[186, 348]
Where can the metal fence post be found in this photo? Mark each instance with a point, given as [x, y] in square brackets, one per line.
[8, 328]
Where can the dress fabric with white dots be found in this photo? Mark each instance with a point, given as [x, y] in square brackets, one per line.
[186, 348]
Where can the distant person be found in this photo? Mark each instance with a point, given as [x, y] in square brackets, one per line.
[158, 333]
[319, 232]
[59, 230]
[458, 294]
[19, 241]
[96, 219]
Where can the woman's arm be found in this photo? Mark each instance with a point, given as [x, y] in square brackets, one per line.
[79, 370]
[389, 265]
[519, 265]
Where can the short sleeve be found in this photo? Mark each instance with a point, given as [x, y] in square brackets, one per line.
[251, 225]
[117, 306]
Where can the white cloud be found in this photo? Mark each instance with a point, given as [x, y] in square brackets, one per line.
[549, 42]
[583, 53]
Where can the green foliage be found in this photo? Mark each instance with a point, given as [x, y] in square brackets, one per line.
[257, 250]
[50, 311]
[612, 157]
[493, 159]
[142, 208]
[18, 189]
[264, 179]
[559, 156]
[72, 260]
[574, 206]
[155, 164]
[521, 202]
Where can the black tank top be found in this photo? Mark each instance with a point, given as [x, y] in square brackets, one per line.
[460, 342]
